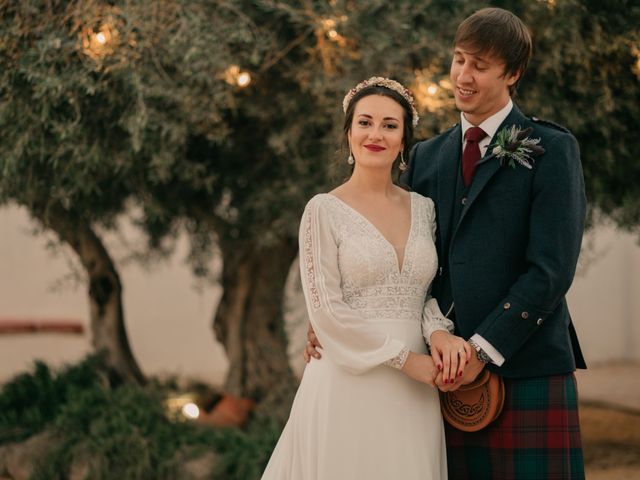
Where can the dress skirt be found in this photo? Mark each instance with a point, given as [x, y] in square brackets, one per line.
[377, 425]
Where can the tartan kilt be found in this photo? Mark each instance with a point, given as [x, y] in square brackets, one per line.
[537, 435]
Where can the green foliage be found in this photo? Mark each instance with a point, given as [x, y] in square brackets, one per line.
[31, 401]
[123, 432]
[152, 120]
[244, 454]
[585, 74]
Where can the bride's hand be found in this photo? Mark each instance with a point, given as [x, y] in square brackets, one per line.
[420, 368]
[450, 354]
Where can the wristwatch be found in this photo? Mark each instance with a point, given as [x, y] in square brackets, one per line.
[480, 353]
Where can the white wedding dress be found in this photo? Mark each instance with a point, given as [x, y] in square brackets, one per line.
[354, 415]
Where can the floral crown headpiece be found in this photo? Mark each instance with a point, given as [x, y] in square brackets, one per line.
[386, 83]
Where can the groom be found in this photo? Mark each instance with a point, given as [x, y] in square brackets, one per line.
[509, 232]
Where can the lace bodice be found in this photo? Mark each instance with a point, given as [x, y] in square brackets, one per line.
[351, 278]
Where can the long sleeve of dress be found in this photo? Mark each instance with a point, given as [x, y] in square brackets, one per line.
[342, 331]
[432, 317]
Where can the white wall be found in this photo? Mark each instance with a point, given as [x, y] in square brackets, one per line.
[168, 317]
[605, 297]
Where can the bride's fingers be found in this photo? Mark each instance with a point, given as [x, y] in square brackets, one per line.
[437, 358]
[450, 366]
[468, 350]
[446, 365]
[464, 351]
[454, 365]
[462, 354]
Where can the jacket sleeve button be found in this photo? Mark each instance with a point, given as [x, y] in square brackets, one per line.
[539, 322]
[506, 306]
[525, 315]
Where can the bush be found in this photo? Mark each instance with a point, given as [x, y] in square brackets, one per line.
[33, 400]
[122, 432]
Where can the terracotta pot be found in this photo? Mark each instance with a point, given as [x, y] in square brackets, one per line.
[230, 411]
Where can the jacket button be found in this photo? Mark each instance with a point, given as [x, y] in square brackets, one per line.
[525, 315]
[506, 306]
[539, 322]
[464, 200]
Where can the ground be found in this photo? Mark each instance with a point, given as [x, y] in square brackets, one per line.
[611, 438]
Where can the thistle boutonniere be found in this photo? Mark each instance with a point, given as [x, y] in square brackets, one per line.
[514, 145]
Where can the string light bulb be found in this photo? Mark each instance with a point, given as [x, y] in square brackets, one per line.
[101, 43]
[234, 76]
[244, 79]
[432, 94]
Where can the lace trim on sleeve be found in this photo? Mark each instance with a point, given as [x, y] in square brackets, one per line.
[432, 320]
[309, 262]
[399, 360]
[437, 323]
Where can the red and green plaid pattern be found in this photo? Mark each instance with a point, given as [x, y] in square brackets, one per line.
[536, 437]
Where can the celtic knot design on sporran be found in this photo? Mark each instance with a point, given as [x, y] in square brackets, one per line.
[467, 410]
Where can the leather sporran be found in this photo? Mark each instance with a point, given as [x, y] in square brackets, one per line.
[474, 406]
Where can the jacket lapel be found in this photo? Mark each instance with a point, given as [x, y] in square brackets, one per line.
[448, 160]
[489, 165]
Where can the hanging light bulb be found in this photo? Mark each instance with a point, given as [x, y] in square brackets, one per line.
[101, 43]
[431, 94]
[244, 79]
[234, 76]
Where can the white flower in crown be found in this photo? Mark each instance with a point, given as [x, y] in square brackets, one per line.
[386, 83]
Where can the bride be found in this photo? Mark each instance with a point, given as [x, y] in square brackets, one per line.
[369, 409]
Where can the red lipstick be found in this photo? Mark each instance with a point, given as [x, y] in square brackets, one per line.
[374, 148]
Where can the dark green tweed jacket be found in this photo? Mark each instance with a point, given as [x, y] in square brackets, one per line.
[512, 253]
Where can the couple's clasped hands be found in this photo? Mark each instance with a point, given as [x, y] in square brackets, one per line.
[452, 362]
[454, 359]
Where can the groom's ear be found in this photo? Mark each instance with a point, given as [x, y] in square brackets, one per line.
[513, 78]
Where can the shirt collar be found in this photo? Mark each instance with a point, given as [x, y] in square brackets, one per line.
[491, 124]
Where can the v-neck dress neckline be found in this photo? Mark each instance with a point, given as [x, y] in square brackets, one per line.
[400, 267]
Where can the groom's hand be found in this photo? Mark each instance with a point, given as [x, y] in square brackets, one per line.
[471, 371]
[474, 367]
[310, 349]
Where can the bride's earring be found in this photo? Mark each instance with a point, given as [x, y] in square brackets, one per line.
[350, 160]
[403, 164]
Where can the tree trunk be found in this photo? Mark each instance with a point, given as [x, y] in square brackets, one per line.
[249, 323]
[108, 332]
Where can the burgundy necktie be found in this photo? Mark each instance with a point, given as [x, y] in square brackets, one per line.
[471, 153]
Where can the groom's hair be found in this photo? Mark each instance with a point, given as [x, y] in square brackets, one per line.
[499, 33]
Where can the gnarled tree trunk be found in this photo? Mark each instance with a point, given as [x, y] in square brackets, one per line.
[249, 323]
[108, 332]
